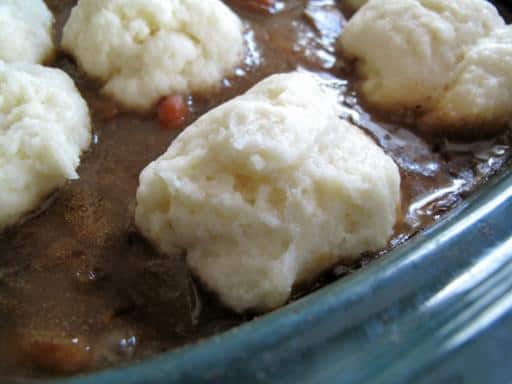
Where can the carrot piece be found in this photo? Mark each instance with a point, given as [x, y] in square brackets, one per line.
[172, 112]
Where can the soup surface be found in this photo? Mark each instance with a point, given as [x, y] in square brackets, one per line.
[80, 290]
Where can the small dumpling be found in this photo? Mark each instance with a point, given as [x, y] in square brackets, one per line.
[480, 94]
[268, 190]
[44, 127]
[407, 51]
[146, 49]
[25, 31]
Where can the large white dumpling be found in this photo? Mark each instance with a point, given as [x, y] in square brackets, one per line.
[146, 49]
[268, 190]
[480, 94]
[25, 31]
[44, 127]
[408, 50]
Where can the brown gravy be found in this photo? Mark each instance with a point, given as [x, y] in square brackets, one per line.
[80, 290]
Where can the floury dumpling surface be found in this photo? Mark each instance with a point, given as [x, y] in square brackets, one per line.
[25, 31]
[268, 190]
[409, 52]
[407, 49]
[44, 127]
[146, 49]
[480, 94]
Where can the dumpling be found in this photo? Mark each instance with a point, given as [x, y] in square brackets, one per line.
[480, 94]
[25, 31]
[268, 190]
[146, 49]
[410, 52]
[44, 127]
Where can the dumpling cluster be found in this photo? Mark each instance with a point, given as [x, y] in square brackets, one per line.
[146, 49]
[446, 60]
[25, 31]
[44, 127]
[44, 122]
[268, 190]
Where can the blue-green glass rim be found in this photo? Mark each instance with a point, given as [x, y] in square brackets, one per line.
[218, 358]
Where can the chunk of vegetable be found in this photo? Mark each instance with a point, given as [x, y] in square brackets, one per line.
[172, 112]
